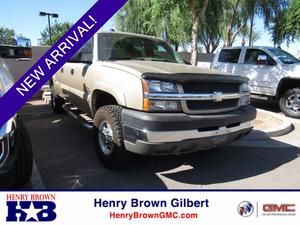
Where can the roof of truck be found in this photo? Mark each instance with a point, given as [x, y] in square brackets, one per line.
[253, 47]
[130, 34]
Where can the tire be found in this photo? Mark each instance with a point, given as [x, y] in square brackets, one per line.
[289, 103]
[57, 103]
[110, 143]
[24, 161]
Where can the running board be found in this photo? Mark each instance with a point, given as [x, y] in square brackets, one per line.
[84, 120]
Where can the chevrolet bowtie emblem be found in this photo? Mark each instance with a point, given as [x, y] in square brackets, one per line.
[218, 96]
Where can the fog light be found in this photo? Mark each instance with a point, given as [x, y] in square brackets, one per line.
[132, 134]
[245, 100]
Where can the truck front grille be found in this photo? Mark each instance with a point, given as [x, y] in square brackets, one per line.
[210, 106]
[210, 88]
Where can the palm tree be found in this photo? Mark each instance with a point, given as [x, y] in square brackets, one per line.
[268, 9]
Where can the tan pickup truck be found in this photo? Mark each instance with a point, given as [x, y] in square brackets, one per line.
[144, 99]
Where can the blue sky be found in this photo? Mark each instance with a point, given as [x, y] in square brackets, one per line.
[22, 15]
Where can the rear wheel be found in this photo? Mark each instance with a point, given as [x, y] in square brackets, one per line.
[290, 103]
[109, 137]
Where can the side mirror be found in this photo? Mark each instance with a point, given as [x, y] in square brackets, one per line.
[14, 52]
[262, 60]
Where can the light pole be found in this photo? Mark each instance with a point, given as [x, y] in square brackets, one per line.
[53, 15]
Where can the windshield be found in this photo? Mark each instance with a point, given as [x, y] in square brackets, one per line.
[283, 56]
[125, 47]
[23, 42]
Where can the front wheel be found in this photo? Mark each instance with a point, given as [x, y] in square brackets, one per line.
[57, 104]
[24, 163]
[108, 137]
[290, 103]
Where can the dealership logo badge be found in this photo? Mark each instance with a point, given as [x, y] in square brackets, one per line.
[245, 209]
[279, 209]
[30, 207]
[31, 211]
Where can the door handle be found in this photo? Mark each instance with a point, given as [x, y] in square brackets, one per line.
[72, 71]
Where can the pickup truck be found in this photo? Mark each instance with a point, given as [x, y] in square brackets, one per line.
[15, 147]
[144, 99]
[274, 74]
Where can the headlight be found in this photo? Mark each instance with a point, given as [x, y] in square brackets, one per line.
[159, 87]
[155, 86]
[245, 87]
[6, 81]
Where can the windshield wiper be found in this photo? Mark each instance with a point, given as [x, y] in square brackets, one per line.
[125, 58]
[162, 60]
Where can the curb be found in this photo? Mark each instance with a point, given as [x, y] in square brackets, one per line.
[285, 128]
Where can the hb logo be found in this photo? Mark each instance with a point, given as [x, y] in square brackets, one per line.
[28, 211]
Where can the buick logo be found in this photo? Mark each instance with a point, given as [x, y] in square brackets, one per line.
[245, 209]
[218, 96]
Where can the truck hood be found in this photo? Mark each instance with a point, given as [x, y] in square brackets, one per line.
[171, 71]
[292, 70]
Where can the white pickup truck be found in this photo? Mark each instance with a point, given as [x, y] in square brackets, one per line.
[144, 99]
[274, 74]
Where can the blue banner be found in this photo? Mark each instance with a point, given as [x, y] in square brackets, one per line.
[56, 57]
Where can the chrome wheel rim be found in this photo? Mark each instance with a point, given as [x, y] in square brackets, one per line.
[292, 103]
[105, 137]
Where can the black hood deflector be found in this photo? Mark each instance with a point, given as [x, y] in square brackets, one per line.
[183, 78]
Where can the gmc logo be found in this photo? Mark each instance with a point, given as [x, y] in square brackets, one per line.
[279, 208]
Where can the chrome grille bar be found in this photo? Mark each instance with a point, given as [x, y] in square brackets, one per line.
[186, 97]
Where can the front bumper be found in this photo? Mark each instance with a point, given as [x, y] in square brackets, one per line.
[8, 154]
[178, 133]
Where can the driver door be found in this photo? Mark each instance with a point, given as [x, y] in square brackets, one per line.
[260, 68]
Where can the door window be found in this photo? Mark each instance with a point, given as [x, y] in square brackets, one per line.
[229, 55]
[258, 57]
[85, 53]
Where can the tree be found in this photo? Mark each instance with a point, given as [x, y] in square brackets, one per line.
[239, 12]
[211, 28]
[267, 9]
[195, 9]
[245, 34]
[136, 17]
[57, 31]
[177, 27]
[6, 35]
[291, 24]
[278, 29]
[236, 18]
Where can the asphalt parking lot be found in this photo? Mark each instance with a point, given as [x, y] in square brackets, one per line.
[65, 159]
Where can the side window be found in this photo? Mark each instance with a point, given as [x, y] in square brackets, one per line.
[85, 53]
[229, 55]
[258, 57]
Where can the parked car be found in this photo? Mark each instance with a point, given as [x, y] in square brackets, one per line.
[144, 99]
[15, 145]
[274, 74]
